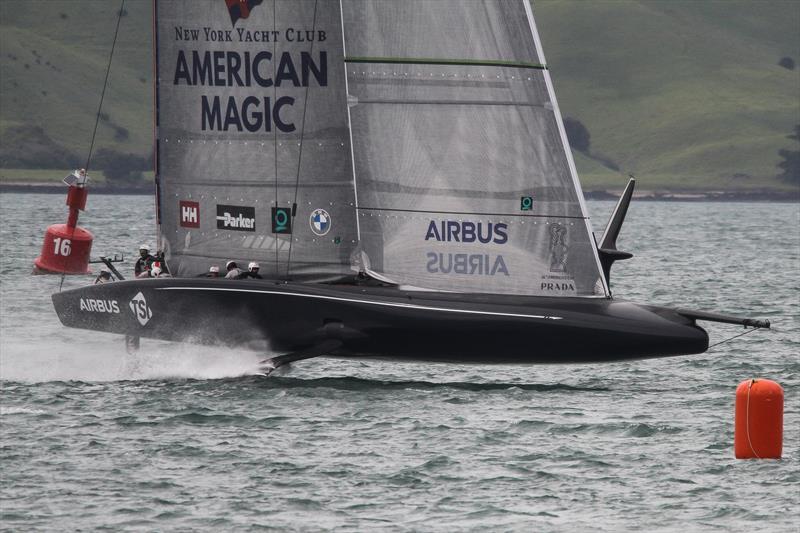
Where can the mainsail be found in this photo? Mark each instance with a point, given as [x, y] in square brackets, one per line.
[421, 138]
[253, 148]
[464, 177]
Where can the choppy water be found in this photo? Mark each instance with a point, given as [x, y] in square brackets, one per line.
[183, 438]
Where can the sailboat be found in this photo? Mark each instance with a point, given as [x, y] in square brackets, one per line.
[400, 171]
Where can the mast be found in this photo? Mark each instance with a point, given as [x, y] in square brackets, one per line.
[349, 124]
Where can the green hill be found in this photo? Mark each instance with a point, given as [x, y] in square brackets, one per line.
[53, 58]
[680, 93]
[684, 94]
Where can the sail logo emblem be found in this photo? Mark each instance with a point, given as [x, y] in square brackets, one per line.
[281, 220]
[526, 203]
[240, 9]
[558, 248]
[236, 217]
[320, 222]
[190, 214]
[140, 309]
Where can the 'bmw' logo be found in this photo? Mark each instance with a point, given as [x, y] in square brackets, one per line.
[320, 222]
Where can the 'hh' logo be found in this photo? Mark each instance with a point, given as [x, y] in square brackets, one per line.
[140, 309]
[190, 214]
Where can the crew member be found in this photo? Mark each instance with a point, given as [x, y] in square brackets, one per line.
[234, 272]
[104, 277]
[252, 271]
[144, 263]
[213, 272]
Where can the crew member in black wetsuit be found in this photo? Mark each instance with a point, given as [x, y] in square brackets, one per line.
[104, 277]
[144, 263]
[252, 271]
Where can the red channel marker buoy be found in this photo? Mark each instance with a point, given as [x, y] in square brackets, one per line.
[67, 247]
[758, 432]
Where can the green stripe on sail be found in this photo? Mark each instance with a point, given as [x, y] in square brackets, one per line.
[434, 61]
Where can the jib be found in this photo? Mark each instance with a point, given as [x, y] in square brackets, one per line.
[451, 230]
[99, 306]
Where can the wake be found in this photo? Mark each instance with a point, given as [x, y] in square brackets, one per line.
[106, 360]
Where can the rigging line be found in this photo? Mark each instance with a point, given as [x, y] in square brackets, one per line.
[105, 84]
[275, 99]
[97, 116]
[731, 338]
[302, 131]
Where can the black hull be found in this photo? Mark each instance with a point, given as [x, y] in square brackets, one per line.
[379, 322]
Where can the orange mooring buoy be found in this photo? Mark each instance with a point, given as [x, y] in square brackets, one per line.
[759, 420]
[67, 246]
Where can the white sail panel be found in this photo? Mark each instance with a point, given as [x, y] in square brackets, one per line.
[252, 117]
[455, 140]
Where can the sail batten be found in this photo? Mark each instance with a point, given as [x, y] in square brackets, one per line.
[437, 61]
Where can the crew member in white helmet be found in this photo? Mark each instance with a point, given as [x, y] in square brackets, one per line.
[213, 272]
[252, 271]
[104, 277]
[144, 263]
[234, 272]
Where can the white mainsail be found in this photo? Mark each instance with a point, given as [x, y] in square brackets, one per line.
[433, 150]
[464, 178]
[253, 147]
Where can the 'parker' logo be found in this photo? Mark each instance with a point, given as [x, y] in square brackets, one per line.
[140, 309]
[236, 217]
[190, 214]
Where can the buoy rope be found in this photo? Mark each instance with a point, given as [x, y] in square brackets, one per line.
[97, 116]
[731, 338]
[747, 420]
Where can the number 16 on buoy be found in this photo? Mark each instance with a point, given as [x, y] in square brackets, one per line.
[67, 246]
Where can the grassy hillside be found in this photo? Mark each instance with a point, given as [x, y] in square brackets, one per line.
[680, 93]
[53, 56]
[684, 94]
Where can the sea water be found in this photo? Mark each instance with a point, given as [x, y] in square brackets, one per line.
[186, 437]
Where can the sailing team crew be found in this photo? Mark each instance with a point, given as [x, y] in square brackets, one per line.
[104, 276]
[234, 272]
[150, 266]
[145, 262]
[252, 271]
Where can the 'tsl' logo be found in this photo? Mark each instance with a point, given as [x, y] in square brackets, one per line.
[140, 309]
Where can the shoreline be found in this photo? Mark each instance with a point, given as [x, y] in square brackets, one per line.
[757, 195]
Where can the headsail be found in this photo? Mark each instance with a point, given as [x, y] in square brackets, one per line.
[253, 148]
[464, 179]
